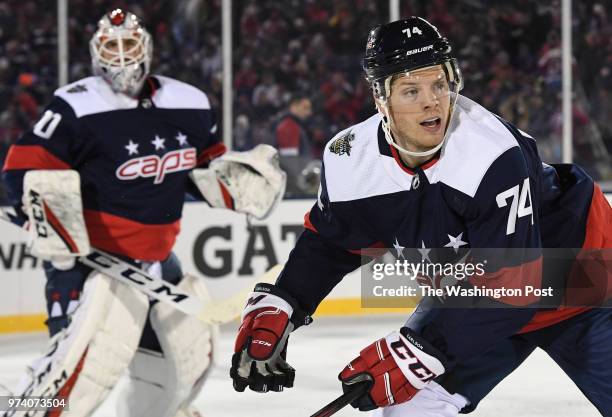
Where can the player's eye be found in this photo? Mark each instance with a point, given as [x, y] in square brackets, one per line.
[129, 44]
[439, 87]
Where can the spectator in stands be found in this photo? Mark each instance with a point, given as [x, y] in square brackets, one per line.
[292, 138]
[295, 145]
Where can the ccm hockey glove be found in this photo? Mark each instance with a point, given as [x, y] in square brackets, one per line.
[261, 345]
[397, 366]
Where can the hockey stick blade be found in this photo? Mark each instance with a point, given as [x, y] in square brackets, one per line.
[342, 401]
[213, 311]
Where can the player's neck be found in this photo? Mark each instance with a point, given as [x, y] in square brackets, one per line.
[413, 161]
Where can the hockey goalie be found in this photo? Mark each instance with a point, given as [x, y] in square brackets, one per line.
[108, 166]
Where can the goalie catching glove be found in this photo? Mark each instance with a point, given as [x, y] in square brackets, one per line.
[249, 182]
[396, 367]
[261, 345]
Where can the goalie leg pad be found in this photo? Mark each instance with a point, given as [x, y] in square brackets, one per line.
[164, 385]
[84, 361]
[431, 401]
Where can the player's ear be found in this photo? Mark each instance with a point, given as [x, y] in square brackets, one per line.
[379, 107]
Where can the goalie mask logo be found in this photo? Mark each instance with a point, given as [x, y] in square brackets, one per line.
[342, 145]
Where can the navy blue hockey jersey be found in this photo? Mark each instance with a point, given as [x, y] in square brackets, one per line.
[487, 189]
[133, 156]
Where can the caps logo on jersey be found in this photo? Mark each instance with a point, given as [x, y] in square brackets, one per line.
[342, 145]
[156, 167]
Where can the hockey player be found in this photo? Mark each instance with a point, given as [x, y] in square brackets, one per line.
[114, 155]
[434, 169]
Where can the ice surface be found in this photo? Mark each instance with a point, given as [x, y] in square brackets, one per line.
[318, 352]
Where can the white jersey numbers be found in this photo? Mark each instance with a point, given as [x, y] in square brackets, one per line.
[47, 124]
[415, 30]
[520, 206]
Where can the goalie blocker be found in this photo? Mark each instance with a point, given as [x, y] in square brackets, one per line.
[52, 202]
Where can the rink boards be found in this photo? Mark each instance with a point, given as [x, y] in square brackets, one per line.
[214, 244]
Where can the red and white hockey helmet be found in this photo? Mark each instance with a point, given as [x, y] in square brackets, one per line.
[121, 51]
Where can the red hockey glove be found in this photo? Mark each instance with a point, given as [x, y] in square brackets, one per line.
[261, 345]
[398, 366]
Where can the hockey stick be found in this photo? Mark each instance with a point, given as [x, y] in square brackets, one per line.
[343, 400]
[213, 311]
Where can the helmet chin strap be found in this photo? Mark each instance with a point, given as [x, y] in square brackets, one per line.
[390, 141]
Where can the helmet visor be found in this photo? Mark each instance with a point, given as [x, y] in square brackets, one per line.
[414, 91]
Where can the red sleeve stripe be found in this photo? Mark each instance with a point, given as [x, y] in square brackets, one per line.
[32, 157]
[211, 153]
[377, 249]
[513, 277]
[308, 224]
[60, 230]
[598, 233]
[374, 251]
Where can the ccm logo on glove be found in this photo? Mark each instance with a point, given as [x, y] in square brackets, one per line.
[395, 367]
[414, 364]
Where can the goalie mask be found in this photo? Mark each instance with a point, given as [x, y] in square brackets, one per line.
[121, 52]
[408, 52]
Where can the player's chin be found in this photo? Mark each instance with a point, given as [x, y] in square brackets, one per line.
[431, 140]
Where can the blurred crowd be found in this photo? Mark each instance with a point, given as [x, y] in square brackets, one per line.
[297, 77]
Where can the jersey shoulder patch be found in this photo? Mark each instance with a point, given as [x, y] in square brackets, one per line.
[175, 94]
[353, 164]
[477, 138]
[93, 95]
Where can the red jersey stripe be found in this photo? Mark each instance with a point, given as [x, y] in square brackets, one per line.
[121, 236]
[32, 157]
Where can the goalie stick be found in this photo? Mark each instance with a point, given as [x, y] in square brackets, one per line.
[213, 311]
[343, 400]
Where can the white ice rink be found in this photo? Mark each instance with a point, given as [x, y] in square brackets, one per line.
[318, 352]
